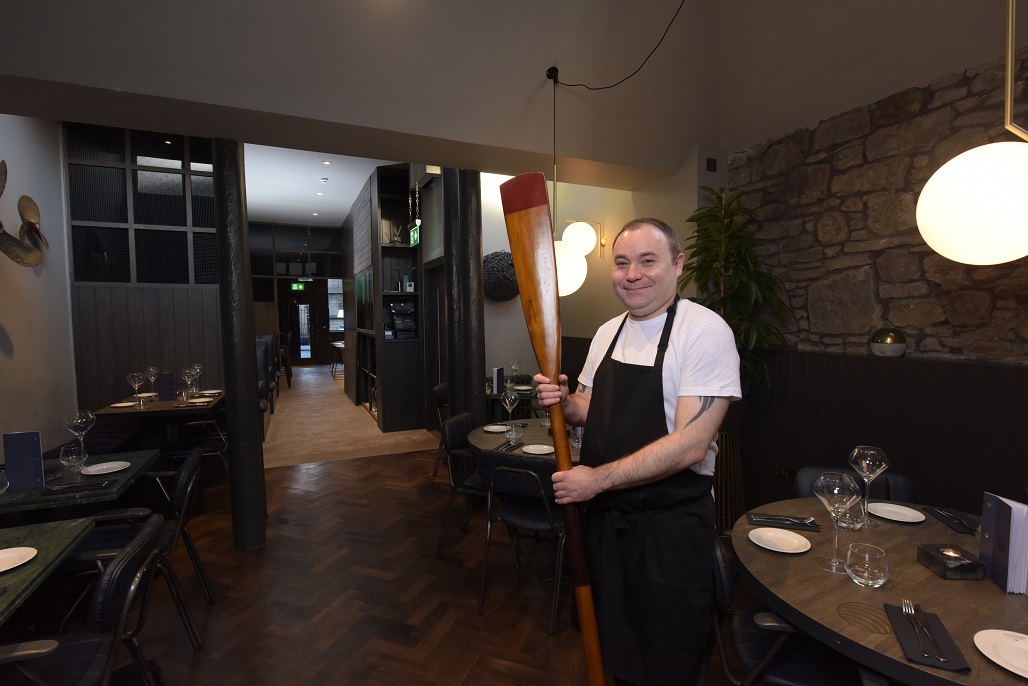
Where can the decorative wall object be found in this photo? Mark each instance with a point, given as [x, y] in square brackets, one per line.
[27, 249]
[888, 342]
[501, 284]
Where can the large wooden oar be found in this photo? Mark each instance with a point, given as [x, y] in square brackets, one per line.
[526, 210]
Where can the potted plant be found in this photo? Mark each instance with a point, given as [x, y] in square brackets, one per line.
[731, 280]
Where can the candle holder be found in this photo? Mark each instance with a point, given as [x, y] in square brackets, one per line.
[950, 561]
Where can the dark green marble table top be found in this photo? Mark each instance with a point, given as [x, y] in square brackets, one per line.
[40, 499]
[52, 541]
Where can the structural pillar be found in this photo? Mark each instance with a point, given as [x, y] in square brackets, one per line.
[239, 350]
[465, 310]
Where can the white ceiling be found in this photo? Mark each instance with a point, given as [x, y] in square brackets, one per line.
[461, 83]
[284, 186]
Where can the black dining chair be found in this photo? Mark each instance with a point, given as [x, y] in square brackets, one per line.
[117, 610]
[770, 650]
[520, 495]
[441, 393]
[461, 468]
[886, 486]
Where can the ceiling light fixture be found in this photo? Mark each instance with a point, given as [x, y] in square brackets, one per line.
[324, 179]
[319, 193]
[571, 265]
[973, 210]
[326, 162]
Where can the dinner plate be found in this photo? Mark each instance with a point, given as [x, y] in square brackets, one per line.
[199, 400]
[537, 449]
[779, 540]
[897, 513]
[207, 392]
[1006, 648]
[146, 395]
[105, 468]
[122, 404]
[12, 557]
[495, 428]
[522, 388]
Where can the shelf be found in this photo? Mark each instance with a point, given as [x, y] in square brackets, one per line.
[399, 245]
[399, 292]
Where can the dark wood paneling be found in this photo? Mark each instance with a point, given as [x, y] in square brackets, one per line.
[120, 328]
[400, 389]
[954, 428]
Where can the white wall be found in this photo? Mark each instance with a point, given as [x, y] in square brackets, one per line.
[36, 355]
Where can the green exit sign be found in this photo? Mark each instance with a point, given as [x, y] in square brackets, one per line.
[415, 235]
[297, 286]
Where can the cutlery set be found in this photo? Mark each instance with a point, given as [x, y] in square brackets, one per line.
[916, 616]
[770, 518]
[509, 446]
[959, 521]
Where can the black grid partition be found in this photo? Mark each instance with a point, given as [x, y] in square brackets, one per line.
[142, 206]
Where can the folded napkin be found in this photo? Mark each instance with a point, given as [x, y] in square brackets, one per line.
[961, 526]
[779, 522]
[912, 649]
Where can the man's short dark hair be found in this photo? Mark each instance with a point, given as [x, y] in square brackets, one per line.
[674, 244]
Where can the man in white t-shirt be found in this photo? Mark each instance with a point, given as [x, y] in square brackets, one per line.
[652, 394]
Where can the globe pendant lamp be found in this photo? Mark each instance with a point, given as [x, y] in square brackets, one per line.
[580, 235]
[974, 209]
[571, 268]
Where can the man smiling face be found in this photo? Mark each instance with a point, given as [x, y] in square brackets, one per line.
[646, 270]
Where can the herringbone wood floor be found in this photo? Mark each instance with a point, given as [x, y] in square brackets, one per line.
[349, 590]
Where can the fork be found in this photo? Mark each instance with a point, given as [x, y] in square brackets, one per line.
[789, 518]
[908, 612]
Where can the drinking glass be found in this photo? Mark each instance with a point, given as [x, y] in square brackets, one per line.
[838, 492]
[79, 423]
[576, 438]
[510, 401]
[71, 457]
[136, 379]
[514, 433]
[187, 376]
[197, 371]
[152, 372]
[867, 565]
[513, 369]
[869, 462]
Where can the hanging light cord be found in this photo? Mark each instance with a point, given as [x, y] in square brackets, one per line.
[600, 88]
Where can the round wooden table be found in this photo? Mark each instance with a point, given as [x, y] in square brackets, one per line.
[534, 434]
[818, 602]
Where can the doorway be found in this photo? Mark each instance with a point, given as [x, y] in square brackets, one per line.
[304, 313]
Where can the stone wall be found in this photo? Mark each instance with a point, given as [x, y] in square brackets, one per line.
[834, 218]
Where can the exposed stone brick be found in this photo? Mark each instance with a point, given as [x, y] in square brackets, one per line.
[739, 177]
[887, 174]
[915, 313]
[848, 157]
[842, 127]
[899, 266]
[852, 205]
[959, 142]
[968, 308]
[898, 107]
[775, 231]
[889, 213]
[890, 291]
[911, 136]
[808, 184]
[944, 97]
[781, 157]
[833, 227]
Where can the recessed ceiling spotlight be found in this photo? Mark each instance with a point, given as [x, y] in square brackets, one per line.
[326, 162]
[324, 179]
[320, 193]
[315, 214]
[168, 142]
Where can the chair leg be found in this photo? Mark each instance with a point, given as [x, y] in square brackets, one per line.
[194, 556]
[440, 451]
[470, 501]
[515, 547]
[168, 572]
[446, 522]
[485, 563]
[561, 538]
[137, 657]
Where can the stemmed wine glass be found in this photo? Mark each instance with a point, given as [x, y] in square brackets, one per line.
[838, 492]
[152, 372]
[79, 423]
[869, 462]
[136, 379]
[188, 375]
[197, 371]
[510, 401]
[513, 371]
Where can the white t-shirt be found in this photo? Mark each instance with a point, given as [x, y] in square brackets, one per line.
[701, 359]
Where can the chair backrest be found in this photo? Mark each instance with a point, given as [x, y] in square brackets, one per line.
[520, 475]
[442, 399]
[886, 486]
[183, 489]
[456, 430]
[122, 579]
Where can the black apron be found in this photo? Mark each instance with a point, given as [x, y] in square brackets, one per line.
[650, 547]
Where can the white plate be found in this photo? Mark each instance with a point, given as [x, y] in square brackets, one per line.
[780, 540]
[208, 392]
[122, 404]
[199, 400]
[105, 468]
[12, 557]
[1005, 648]
[522, 388]
[897, 513]
[537, 449]
[146, 395]
[495, 428]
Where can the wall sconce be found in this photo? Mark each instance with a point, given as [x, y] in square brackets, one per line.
[974, 210]
[581, 235]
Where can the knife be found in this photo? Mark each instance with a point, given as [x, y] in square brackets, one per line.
[922, 620]
[956, 520]
[513, 446]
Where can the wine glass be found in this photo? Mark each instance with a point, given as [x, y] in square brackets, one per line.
[510, 401]
[152, 372]
[838, 492]
[79, 423]
[869, 462]
[187, 375]
[513, 370]
[197, 371]
[136, 379]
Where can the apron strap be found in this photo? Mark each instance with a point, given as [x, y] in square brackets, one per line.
[665, 334]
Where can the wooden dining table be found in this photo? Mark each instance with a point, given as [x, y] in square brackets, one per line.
[80, 487]
[161, 419]
[533, 433]
[52, 542]
[851, 619]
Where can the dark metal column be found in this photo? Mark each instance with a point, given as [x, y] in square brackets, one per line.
[465, 312]
[239, 350]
